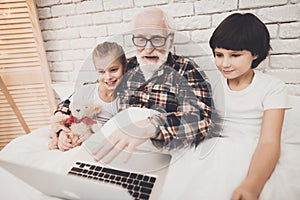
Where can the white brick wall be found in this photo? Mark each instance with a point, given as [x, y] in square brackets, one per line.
[117, 4]
[260, 3]
[208, 6]
[63, 9]
[89, 6]
[289, 30]
[72, 28]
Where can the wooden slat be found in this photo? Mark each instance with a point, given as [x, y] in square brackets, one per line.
[28, 95]
[8, 136]
[37, 88]
[16, 36]
[16, 66]
[16, 31]
[17, 55]
[17, 41]
[30, 121]
[19, 9]
[14, 21]
[14, 26]
[33, 123]
[33, 87]
[17, 46]
[15, 15]
[36, 100]
[29, 118]
[13, 106]
[5, 111]
[19, 50]
[27, 107]
[12, 2]
[11, 130]
[19, 60]
[6, 114]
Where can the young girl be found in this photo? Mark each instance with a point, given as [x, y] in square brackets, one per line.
[110, 62]
[239, 162]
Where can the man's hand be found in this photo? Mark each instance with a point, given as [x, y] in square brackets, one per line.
[112, 146]
[129, 136]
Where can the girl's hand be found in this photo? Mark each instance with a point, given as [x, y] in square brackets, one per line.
[82, 138]
[65, 139]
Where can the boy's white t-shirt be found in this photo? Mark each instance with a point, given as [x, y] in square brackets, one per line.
[243, 110]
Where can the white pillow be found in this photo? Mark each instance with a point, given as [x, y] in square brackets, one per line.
[291, 125]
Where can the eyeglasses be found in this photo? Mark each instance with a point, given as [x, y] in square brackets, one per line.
[156, 41]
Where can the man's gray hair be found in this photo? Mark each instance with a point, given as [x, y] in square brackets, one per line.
[167, 18]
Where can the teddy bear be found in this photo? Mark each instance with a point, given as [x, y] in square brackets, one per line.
[79, 120]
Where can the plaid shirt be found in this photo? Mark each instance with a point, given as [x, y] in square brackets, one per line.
[179, 91]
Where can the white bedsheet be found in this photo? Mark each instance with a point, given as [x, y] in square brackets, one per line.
[32, 150]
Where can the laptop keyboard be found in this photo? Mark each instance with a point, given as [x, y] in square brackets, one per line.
[138, 185]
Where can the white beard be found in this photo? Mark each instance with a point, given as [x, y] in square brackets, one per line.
[149, 68]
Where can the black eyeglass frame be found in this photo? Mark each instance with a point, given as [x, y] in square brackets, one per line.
[149, 40]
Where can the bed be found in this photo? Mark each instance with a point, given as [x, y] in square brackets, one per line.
[32, 150]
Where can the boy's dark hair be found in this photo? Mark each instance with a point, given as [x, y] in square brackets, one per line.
[106, 48]
[242, 32]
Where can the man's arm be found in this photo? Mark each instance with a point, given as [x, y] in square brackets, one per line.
[192, 120]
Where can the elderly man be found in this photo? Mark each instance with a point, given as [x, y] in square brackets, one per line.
[158, 80]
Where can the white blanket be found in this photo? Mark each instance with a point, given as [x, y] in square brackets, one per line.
[31, 150]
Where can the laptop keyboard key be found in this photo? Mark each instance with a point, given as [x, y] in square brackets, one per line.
[130, 187]
[146, 178]
[135, 194]
[146, 190]
[75, 169]
[152, 180]
[144, 196]
[145, 184]
[133, 175]
[116, 172]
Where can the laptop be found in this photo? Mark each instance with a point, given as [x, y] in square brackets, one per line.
[142, 177]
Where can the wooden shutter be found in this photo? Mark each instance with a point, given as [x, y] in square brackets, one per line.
[24, 71]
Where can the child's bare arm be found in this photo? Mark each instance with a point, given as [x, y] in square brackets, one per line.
[265, 156]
